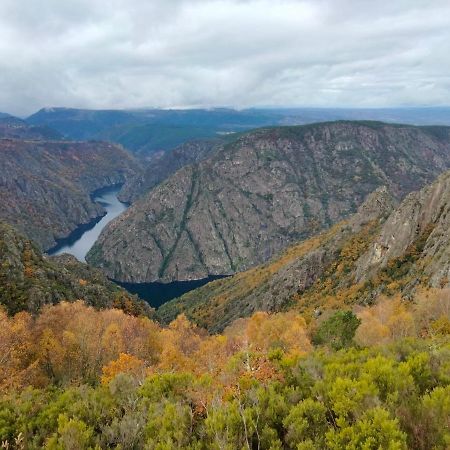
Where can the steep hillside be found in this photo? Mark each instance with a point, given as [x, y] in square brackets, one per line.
[14, 128]
[28, 280]
[263, 192]
[163, 164]
[353, 262]
[45, 186]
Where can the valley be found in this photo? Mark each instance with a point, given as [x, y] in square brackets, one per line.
[254, 196]
[222, 284]
[80, 241]
[224, 225]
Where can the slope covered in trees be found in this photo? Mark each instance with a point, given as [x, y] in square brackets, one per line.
[29, 280]
[262, 193]
[77, 378]
[45, 186]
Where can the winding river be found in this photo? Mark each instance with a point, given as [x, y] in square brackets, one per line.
[83, 238]
[81, 241]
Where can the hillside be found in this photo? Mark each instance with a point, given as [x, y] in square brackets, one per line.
[163, 164]
[45, 186]
[29, 280]
[14, 128]
[379, 250]
[262, 193]
[151, 130]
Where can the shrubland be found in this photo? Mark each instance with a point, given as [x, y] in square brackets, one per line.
[74, 377]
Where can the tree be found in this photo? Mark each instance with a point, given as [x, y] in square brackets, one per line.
[338, 331]
[376, 430]
[124, 364]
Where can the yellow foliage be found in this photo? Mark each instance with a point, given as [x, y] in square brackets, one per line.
[128, 364]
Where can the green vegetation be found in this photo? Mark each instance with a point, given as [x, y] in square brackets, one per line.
[77, 378]
[338, 331]
[29, 280]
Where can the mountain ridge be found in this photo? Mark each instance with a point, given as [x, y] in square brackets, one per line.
[261, 193]
[382, 249]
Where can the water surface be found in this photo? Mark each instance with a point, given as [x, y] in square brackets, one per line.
[156, 294]
[83, 238]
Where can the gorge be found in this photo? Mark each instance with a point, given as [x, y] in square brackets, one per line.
[80, 241]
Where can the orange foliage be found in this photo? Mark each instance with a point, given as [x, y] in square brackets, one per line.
[124, 364]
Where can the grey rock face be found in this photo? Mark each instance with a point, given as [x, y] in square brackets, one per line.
[163, 164]
[263, 192]
[272, 286]
[422, 216]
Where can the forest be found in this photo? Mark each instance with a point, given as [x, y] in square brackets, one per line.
[373, 377]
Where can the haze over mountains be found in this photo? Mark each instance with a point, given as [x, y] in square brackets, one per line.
[148, 130]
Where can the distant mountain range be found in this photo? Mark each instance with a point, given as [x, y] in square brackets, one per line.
[14, 128]
[149, 130]
[264, 191]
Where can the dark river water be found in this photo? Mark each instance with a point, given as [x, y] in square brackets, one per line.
[84, 237]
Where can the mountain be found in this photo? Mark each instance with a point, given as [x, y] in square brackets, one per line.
[45, 186]
[145, 131]
[379, 250]
[262, 193]
[80, 124]
[163, 164]
[274, 285]
[14, 128]
[150, 130]
[29, 280]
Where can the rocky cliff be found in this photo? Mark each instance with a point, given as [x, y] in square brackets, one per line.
[274, 286]
[163, 164]
[379, 250]
[263, 192]
[30, 280]
[45, 186]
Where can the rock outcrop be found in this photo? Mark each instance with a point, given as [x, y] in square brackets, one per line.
[262, 193]
[420, 226]
[380, 250]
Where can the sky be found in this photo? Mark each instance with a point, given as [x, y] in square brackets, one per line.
[235, 53]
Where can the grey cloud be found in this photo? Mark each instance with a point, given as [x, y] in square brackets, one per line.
[170, 53]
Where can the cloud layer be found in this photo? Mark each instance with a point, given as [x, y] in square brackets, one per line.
[179, 53]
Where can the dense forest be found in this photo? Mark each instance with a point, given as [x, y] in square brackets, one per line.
[375, 377]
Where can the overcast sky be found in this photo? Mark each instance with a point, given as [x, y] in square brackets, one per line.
[177, 53]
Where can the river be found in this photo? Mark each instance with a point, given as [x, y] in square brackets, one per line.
[81, 241]
[83, 238]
